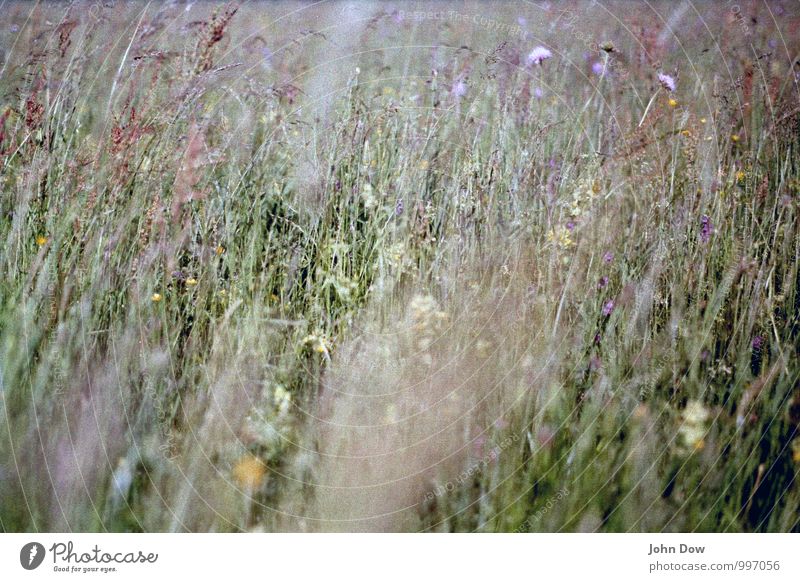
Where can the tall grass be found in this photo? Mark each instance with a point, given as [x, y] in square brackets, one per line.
[388, 275]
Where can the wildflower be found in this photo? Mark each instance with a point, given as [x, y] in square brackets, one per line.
[320, 347]
[191, 282]
[692, 430]
[370, 201]
[282, 399]
[608, 307]
[41, 240]
[666, 81]
[735, 138]
[703, 120]
[672, 103]
[608, 256]
[601, 284]
[740, 176]
[538, 93]
[459, 89]
[598, 69]
[318, 343]
[560, 237]
[686, 133]
[539, 55]
[706, 228]
[156, 297]
[796, 450]
[608, 46]
[249, 473]
[220, 250]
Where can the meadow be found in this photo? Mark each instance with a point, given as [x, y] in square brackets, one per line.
[397, 266]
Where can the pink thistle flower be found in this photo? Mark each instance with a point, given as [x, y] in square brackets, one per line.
[666, 81]
[538, 55]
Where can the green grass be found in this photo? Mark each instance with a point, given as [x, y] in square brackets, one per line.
[315, 288]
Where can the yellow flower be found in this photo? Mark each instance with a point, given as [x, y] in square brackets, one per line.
[318, 343]
[695, 412]
[740, 175]
[156, 297]
[796, 450]
[191, 282]
[560, 237]
[249, 473]
[686, 132]
[703, 120]
[672, 102]
[692, 429]
[41, 240]
[734, 138]
[220, 249]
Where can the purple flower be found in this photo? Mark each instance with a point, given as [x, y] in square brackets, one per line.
[666, 81]
[398, 208]
[598, 69]
[608, 256]
[601, 284]
[758, 342]
[538, 93]
[570, 226]
[539, 55]
[706, 228]
[459, 89]
[608, 307]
